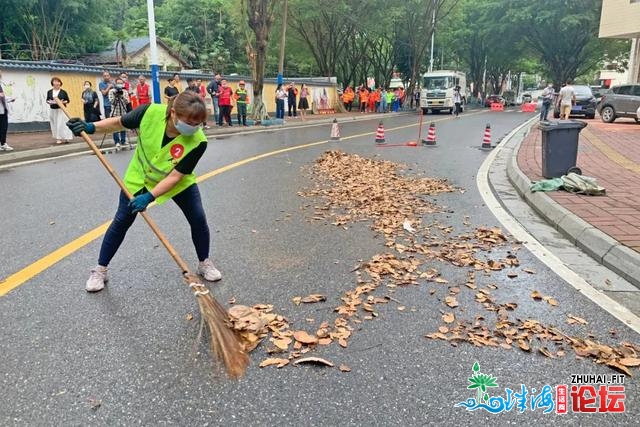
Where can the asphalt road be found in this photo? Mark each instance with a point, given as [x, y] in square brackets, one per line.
[128, 355]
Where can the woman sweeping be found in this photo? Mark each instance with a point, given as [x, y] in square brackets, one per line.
[170, 144]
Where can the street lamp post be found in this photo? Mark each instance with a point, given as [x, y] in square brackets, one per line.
[153, 47]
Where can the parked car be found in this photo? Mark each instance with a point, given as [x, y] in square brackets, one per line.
[638, 114]
[623, 101]
[494, 99]
[598, 93]
[585, 104]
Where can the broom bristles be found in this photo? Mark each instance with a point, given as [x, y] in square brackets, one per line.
[226, 345]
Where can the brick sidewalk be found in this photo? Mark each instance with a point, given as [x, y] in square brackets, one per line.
[610, 152]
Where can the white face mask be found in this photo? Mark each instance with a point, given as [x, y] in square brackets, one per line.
[87, 87]
[185, 128]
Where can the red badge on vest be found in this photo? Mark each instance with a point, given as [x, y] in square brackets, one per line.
[177, 151]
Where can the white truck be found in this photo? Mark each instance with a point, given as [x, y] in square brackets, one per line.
[437, 90]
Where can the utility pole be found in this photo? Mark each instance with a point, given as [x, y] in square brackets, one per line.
[433, 33]
[282, 43]
[153, 47]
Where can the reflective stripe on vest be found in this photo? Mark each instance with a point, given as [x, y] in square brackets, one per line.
[242, 96]
[151, 162]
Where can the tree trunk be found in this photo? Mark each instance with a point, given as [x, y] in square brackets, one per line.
[260, 14]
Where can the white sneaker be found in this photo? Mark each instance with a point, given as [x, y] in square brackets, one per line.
[118, 147]
[6, 147]
[97, 279]
[209, 271]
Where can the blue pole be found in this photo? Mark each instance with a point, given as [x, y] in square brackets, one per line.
[155, 78]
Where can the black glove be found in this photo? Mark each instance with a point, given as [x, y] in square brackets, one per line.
[77, 126]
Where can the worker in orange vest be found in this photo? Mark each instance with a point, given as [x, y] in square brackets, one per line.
[347, 98]
[374, 98]
[364, 99]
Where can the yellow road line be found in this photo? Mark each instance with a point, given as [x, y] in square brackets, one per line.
[32, 270]
[611, 153]
[17, 279]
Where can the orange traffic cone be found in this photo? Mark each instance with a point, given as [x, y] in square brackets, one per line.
[380, 134]
[486, 139]
[335, 131]
[431, 135]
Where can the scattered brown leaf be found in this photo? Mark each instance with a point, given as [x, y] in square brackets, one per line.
[304, 337]
[274, 361]
[314, 360]
[571, 319]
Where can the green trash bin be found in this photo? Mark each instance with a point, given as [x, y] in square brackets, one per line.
[560, 147]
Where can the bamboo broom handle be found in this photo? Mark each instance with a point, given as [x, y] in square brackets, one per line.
[154, 227]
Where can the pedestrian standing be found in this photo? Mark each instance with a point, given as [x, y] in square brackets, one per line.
[242, 98]
[104, 87]
[143, 91]
[192, 86]
[567, 99]
[303, 104]
[396, 100]
[547, 99]
[177, 83]
[292, 94]
[166, 131]
[390, 96]
[90, 103]
[119, 99]
[224, 98]
[347, 98]
[457, 101]
[4, 116]
[171, 90]
[373, 97]
[212, 89]
[281, 94]
[363, 99]
[202, 91]
[57, 119]
[383, 101]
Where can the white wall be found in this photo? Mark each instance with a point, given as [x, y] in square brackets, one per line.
[30, 91]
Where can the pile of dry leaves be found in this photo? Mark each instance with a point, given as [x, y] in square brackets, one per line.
[352, 189]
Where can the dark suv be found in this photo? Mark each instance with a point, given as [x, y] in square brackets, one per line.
[622, 101]
[585, 104]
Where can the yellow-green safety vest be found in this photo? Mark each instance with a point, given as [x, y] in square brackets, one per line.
[151, 162]
[242, 96]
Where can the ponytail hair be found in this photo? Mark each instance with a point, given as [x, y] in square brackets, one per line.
[188, 105]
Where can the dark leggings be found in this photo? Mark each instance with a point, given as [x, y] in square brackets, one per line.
[190, 204]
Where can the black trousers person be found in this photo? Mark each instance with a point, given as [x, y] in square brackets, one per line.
[4, 126]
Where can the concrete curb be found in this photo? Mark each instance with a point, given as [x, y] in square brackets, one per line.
[597, 244]
[16, 158]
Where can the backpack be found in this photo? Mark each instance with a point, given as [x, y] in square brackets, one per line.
[580, 184]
